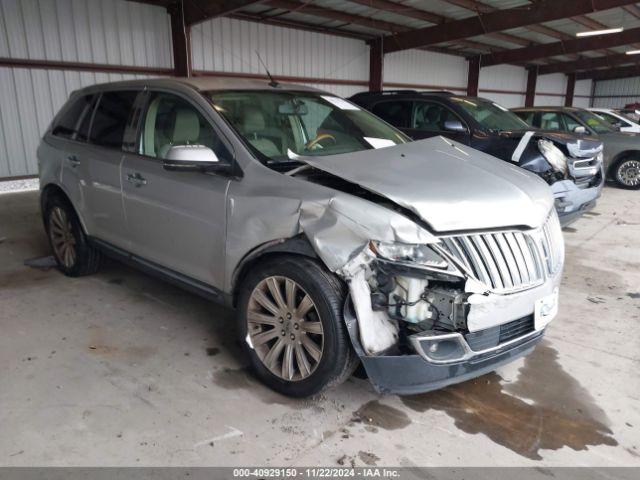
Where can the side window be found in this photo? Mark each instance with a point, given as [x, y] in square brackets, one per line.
[613, 120]
[550, 121]
[526, 116]
[110, 118]
[431, 117]
[170, 120]
[570, 123]
[67, 125]
[397, 113]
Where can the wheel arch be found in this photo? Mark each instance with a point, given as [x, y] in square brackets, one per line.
[53, 189]
[622, 156]
[295, 246]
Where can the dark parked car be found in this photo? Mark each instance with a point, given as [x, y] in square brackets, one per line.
[571, 165]
[621, 150]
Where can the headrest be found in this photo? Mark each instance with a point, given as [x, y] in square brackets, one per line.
[253, 120]
[433, 114]
[186, 128]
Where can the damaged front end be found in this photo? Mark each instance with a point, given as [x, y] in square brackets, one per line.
[425, 316]
[576, 173]
[439, 289]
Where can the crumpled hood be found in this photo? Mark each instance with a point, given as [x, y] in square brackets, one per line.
[448, 185]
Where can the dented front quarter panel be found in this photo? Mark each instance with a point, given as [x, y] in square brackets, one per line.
[269, 206]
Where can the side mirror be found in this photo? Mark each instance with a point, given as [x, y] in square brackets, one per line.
[193, 158]
[580, 129]
[454, 126]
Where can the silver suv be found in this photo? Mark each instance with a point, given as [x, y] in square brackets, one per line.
[336, 240]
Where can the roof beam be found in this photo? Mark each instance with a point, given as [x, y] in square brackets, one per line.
[586, 64]
[424, 15]
[480, 7]
[576, 45]
[633, 10]
[544, 11]
[330, 14]
[610, 74]
[196, 11]
[283, 22]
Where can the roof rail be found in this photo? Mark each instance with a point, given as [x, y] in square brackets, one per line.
[440, 92]
[394, 92]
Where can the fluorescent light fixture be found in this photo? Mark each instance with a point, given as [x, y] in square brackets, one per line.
[590, 33]
[633, 52]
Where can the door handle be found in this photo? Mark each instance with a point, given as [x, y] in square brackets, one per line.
[137, 179]
[73, 160]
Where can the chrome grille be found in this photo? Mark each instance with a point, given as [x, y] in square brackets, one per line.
[512, 260]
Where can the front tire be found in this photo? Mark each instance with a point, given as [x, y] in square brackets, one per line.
[73, 253]
[291, 326]
[627, 173]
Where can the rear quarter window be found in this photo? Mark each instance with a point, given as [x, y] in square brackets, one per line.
[68, 124]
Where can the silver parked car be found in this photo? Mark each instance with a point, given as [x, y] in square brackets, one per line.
[334, 238]
[621, 150]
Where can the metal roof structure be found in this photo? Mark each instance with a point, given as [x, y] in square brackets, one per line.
[532, 33]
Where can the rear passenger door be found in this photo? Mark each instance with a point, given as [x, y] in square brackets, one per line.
[101, 163]
[177, 219]
[432, 118]
[69, 136]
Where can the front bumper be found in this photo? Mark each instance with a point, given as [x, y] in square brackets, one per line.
[412, 374]
[571, 201]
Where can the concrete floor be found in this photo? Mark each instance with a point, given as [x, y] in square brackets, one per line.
[122, 369]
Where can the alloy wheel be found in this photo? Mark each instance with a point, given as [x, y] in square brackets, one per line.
[629, 173]
[284, 328]
[62, 238]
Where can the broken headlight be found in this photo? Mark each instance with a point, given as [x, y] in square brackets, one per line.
[409, 254]
[553, 155]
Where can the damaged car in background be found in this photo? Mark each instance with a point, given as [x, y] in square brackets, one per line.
[337, 240]
[569, 163]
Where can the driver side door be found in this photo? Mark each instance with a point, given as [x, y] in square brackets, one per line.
[177, 220]
[430, 119]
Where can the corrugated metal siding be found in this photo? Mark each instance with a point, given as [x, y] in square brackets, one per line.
[617, 93]
[93, 31]
[555, 83]
[30, 99]
[504, 77]
[425, 68]
[583, 87]
[229, 45]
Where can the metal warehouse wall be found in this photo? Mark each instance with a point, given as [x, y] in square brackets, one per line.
[429, 69]
[93, 31]
[119, 32]
[229, 45]
[582, 92]
[617, 93]
[511, 80]
[555, 84]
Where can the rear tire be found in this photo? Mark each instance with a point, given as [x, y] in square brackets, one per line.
[627, 173]
[291, 326]
[71, 249]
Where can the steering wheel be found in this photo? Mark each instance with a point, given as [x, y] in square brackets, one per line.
[323, 136]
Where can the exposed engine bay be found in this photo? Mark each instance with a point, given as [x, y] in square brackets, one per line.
[406, 299]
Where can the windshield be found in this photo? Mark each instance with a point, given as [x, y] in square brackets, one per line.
[491, 115]
[593, 121]
[304, 123]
